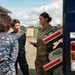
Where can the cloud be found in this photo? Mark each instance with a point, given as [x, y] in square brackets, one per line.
[30, 16]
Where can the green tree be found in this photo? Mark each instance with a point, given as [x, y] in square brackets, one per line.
[39, 26]
[30, 26]
[23, 28]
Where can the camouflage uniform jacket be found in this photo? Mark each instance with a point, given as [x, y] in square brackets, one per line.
[8, 53]
[41, 47]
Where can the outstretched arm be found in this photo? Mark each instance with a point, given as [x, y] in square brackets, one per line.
[33, 43]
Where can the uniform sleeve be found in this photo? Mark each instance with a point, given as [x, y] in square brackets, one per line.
[35, 44]
[22, 41]
[14, 51]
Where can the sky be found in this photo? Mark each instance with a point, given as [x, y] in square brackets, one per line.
[28, 11]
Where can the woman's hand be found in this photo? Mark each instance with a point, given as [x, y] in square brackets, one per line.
[33, 43]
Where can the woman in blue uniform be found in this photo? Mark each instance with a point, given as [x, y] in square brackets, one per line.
[8, 49]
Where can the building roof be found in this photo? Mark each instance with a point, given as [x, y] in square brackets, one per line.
[3, 10]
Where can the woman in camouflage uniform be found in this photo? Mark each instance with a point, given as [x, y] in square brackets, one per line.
[42, 54]
[8, 48]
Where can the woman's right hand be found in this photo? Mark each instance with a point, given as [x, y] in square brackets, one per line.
[33, 43]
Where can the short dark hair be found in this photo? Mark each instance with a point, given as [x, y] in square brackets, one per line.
[15, 21]
[3, 27]
[5, 20]
[46, 15]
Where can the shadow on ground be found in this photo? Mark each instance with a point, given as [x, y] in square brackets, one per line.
[31, 72]
[57, 71]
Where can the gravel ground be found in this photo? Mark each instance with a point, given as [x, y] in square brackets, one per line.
[31, 56]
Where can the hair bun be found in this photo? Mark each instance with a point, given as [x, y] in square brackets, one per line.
[50, 18]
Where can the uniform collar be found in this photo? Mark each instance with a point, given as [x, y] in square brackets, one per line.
[45, 28]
